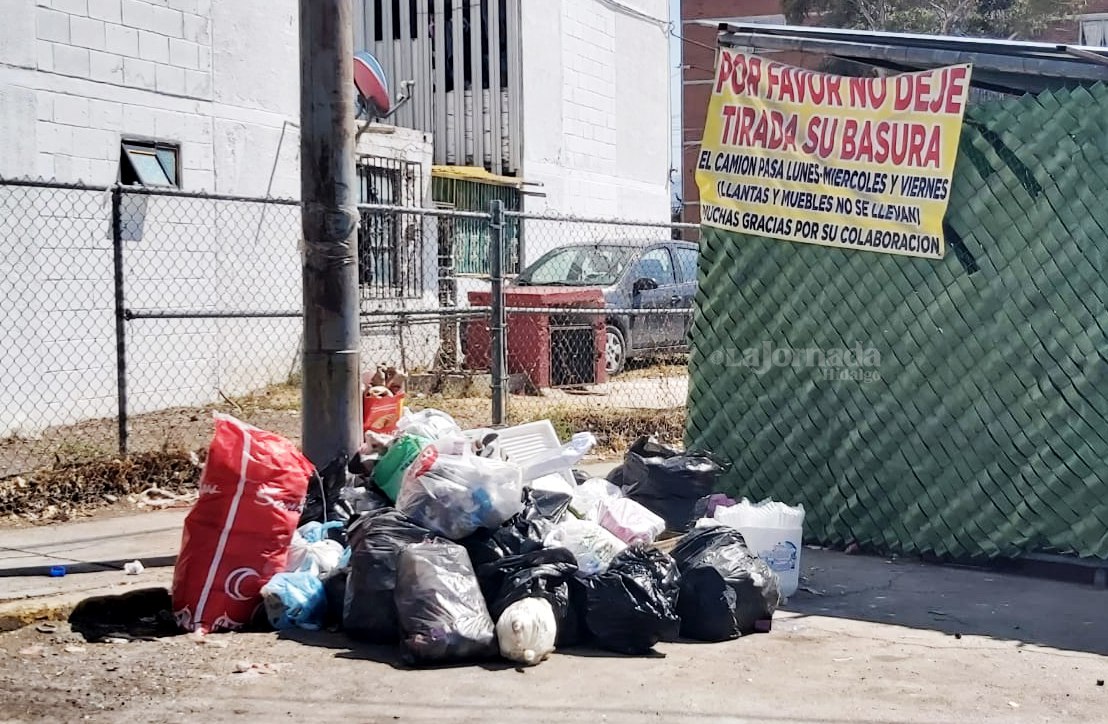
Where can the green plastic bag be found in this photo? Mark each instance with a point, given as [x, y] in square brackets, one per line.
[388, 473]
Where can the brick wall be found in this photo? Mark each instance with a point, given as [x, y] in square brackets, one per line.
[698, 58]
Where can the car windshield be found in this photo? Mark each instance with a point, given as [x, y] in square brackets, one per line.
[593, 265]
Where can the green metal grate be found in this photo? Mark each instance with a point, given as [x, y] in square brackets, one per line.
[985, 432]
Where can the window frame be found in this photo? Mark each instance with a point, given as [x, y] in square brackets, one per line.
[129, 148]
[672, 266]
[380, 233]
[1092, 18]
[677, 251]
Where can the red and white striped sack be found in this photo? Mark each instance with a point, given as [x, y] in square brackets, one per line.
[237, 534]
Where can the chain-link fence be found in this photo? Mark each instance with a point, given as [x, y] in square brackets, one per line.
[597, 323]
[130, 313]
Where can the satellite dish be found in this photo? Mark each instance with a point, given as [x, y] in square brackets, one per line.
[374, 100]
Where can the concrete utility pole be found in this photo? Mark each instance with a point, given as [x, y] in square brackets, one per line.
[331, 371]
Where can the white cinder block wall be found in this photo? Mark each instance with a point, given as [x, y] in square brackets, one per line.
[596, 107]
[221, 80]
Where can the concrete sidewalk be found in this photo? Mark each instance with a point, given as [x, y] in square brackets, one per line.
[93, 553]
[92, 545]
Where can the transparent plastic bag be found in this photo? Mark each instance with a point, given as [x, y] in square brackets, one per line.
[439, 605]
[592, 546]
[430, 424]
[629, 521]
[312, 551]
[455, 495]
[589, 494]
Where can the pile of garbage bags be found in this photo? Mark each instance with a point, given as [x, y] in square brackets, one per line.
[456, 546]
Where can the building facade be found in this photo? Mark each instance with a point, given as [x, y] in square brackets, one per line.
[571, 97]
[189, 96]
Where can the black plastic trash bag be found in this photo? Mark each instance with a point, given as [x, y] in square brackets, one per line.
[666, 481]
[550, 504]
[725, 589]
[542, 574]
[376, 540]
[633, 605]
[324, 502]
[523, 533]
[439, 605]
[334, 588]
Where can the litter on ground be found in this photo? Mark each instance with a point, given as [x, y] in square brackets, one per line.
[462, 545]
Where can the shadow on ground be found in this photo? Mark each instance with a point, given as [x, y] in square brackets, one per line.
[391, 655]
[953, 600]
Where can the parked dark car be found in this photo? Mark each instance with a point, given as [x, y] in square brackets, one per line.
[632, 275]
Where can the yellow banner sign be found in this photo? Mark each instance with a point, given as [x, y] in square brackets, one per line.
[854, 163]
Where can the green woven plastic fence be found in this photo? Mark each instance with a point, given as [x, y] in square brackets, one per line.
[956, 408]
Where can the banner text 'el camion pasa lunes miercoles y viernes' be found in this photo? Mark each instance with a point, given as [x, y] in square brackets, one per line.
[854, 163]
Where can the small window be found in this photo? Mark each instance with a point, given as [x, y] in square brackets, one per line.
[379, 242]
[1094, 30]
[148, 164]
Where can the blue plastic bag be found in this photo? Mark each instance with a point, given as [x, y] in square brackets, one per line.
[315, 531]
[295, 600]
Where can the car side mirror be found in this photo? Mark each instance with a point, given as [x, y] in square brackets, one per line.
[644, 285]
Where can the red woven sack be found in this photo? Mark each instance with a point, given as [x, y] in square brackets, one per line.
[237, 534]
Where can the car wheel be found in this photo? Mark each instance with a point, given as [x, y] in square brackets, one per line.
[615, 350]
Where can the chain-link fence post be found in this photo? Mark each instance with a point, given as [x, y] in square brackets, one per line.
[120, 316]
[497, 326]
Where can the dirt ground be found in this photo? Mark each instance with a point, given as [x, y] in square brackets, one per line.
[645, 392]
[869, 641]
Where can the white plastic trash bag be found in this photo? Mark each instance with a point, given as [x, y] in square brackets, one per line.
[526, 631]
[312, 552]
[629, 521]
[455, 495]
[592, 546]
[430, 424]
[587, 497]
[767, 514]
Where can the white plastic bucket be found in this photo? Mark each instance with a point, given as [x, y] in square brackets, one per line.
[780, 548]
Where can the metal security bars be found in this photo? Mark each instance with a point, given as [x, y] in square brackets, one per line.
[460, 63]
[390, 244]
